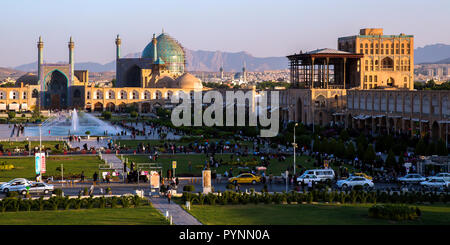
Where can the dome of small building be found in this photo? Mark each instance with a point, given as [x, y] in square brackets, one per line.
[27, 79]
[169, 51]
[189, 81]
[165, 82]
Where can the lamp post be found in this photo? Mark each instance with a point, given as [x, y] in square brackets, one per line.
[40, 148]
[294, 145]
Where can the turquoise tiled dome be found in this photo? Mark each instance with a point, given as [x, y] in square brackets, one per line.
[169, 51]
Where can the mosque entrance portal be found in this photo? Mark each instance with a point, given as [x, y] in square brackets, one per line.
[56, 90]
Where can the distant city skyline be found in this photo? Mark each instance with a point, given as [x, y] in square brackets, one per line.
[263, 28]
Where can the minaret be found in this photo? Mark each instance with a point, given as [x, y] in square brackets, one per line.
[155, 48]
[40, 46]
[118, 43]
[71, 63]
[244, 73]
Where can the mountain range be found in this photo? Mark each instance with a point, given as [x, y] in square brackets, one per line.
[195, 61]
[201, 60]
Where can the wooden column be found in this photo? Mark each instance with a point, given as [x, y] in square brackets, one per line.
[312, 72]
[345, 61]
[328, 71]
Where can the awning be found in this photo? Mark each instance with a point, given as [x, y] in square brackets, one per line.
[394, 116]
[415, 120]
[378, 116]
[338, 114]
[14, 107]
[24, 106]
[424, 121]
[3, 106]
[438, 121]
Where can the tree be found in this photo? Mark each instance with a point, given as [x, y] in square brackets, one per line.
[11, 114]
[113, 82]
[106, 115]
[420, 148]
[390, 160]
[441, 148]
[350, 152]
[369, 154]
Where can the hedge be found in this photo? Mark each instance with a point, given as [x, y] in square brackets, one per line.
[231, 197]
[394, 212]
[16, 204]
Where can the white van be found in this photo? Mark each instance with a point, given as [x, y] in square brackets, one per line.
[323, 174]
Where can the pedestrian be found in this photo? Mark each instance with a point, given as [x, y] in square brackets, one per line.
[169, 196]
[82, 176]
[95, 176]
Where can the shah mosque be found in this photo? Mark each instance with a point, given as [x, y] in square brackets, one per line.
[144, 83]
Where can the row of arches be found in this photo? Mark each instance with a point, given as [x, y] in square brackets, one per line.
[425, 104]
[133, 95]
[145, 107]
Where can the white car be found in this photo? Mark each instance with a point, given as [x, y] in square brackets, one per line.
[354, 181]
[435, 183]
[15, 185]
[306, 178]
[445, 176]
[322, 174]
[36, 187]
[412, 178]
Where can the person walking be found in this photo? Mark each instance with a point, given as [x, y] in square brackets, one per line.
[95, 176]
[82, 176]
[169, 196]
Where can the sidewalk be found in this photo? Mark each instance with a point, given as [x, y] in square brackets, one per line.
[179, 215]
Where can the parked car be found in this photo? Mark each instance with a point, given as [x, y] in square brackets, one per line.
[245, 178]
[362, 175]
[435, 183]
[322, 174]
[445, 176]
[306, 178]
[14, 185]
[37, 187]
[411, 178]
[353, 181]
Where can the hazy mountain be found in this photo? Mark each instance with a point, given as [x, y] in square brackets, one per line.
[196, 61]
[432, 53]
[444, 61]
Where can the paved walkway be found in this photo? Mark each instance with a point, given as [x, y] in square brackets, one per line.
[103, 143]
[179, 215]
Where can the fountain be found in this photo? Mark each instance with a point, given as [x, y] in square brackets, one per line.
[73, 123]
[74, 120]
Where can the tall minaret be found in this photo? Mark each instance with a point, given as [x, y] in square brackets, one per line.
[155, 48]
[244, 73]
[40, 46]
[118, 43]
[71, 63]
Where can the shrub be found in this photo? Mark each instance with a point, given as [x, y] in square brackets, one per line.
[11, 114]
[189, 188]
[58, 192]
[394, 212]
[133, 114]
[12, 194]
[125, 201]
[106, 115]
[136, 200]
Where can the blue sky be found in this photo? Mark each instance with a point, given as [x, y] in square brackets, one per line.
[260, 27]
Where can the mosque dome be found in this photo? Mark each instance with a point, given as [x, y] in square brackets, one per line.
[189, 81]
[169, 51]
[27, 79]
[165, 82]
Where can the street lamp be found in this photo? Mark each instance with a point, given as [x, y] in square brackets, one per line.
[294, 145]
[40, 148]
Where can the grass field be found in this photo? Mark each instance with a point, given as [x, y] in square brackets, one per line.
[320, 214]
[11, 145]
[132, 144]
[24, 167]
[198, 161]
[118, 216]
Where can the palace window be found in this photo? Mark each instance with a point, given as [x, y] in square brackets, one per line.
[88, 95]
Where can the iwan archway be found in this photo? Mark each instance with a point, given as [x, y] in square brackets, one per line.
[55, 90]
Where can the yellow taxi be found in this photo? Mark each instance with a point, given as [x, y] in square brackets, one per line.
[245, 178]
[362, 175]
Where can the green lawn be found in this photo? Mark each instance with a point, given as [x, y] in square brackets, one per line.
[303, 214]
[24, 167]
[132, 144]
[198, 161]
[118, 216]
[11, 145]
